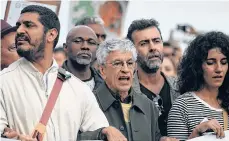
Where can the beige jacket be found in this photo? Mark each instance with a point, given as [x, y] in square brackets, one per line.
[23, 95]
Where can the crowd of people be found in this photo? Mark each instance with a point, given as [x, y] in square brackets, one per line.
[140, 88]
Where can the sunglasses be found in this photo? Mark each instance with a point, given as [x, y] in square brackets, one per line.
[159, 104]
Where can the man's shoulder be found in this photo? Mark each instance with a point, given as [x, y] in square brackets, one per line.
[142, 98]
[12, 68]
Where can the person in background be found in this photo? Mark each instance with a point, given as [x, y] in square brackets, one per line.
[8, 48]
[203, 79]
[97, 25]
[148, 79]
[59, 55]
[133, 114]
[29, 81]
[81, 44]
[168, 67]
[168, 50]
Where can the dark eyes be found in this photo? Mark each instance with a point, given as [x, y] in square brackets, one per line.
[155, 41]
[28, 25]
[90, 41]
[211, 62]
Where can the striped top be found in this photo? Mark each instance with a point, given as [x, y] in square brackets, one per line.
[187, 112]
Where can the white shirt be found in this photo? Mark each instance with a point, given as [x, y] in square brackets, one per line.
[24, 94]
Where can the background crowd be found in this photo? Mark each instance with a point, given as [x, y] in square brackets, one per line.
[139, 87]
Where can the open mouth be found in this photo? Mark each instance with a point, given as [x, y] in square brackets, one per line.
[124, 78]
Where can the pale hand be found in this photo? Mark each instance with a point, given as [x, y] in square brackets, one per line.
[113, 134]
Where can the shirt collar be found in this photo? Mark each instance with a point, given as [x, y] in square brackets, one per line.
[27, 65]
[106, 98]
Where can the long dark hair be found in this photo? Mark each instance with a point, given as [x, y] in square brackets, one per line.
[190, 72]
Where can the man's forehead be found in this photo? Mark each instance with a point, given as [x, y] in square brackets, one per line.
[148, 33]
[120, 55]
[82, 32]
[29, 16]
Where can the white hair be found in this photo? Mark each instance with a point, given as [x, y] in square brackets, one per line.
[106, 47]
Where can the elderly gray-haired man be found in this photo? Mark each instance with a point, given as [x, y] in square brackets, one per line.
[133, 114]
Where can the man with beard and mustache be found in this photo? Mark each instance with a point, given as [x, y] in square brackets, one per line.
[29, 81]
[148, 79]
[81, 45]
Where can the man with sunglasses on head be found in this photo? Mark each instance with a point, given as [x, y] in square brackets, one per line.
[81, 44]
[149, 79]
[97, 25]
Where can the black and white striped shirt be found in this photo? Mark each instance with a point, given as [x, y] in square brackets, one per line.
[187, 112]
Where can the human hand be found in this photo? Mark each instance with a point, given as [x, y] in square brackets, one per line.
[168, 139]
[26, 138]
[113, 134]
[211, 124]
[10, 133]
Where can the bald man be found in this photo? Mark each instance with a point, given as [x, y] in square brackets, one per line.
[81, 45]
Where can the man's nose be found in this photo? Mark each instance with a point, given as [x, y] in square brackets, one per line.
[125, 67]
[85, 45]
[20, 29]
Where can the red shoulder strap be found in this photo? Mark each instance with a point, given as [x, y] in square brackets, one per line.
[41, 126]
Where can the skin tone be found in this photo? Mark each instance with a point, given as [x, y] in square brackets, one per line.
[32, 43]
[215, 67]
[81, 53]
[99, 31]
[168, 51]
[101, 35]
[119, 80]
[31, 38]
[167, 67]
[8, 50]
[59, 57]
[148, 42]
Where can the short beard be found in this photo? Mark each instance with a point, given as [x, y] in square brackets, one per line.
[34, 53]
[81, 61]
[149, 66]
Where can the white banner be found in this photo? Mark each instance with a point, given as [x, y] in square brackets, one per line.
[211, 137]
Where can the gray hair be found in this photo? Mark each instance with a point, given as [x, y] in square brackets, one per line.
[90, 20]
[106, 47]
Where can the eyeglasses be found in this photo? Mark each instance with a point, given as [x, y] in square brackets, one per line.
[120, 64]
[80, 41]
[102, 36]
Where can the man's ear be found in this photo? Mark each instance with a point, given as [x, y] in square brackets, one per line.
[102, 70]
[52, 35]
[65, 47]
